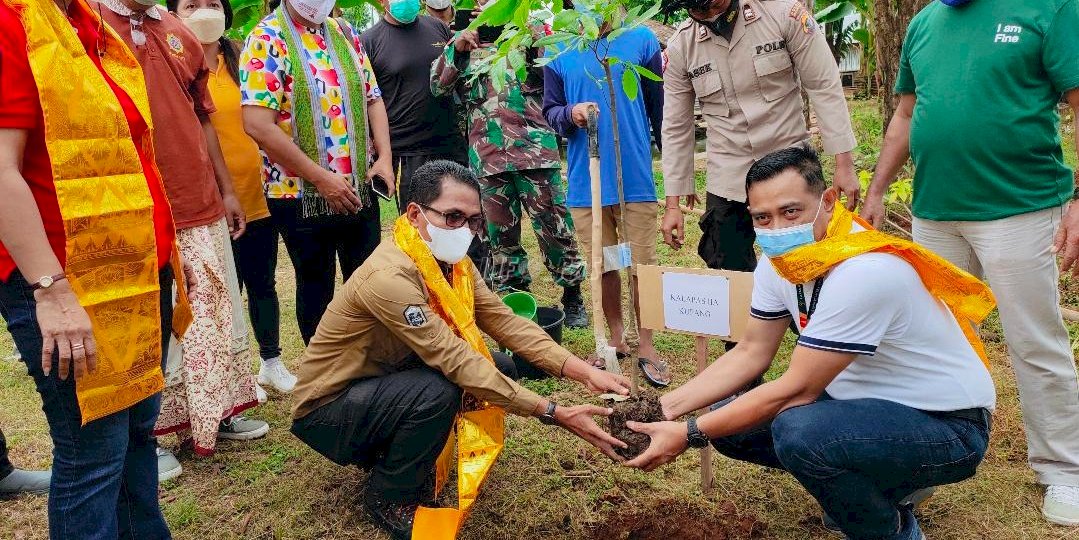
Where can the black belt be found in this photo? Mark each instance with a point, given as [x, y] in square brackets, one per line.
[977, 414]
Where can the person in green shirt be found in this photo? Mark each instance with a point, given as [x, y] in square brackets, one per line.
[979, 84]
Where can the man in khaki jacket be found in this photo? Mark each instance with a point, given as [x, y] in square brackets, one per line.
[746, 62]
[382, 379]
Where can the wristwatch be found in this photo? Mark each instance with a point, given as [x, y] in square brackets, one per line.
[46, 281]
[548, 417]
[694, 437]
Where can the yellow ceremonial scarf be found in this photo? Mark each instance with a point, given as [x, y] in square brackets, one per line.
[480, 427]
[105, 203]
[969, 300]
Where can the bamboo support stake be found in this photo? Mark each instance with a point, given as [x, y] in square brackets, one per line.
[599, 323]
[706, 452]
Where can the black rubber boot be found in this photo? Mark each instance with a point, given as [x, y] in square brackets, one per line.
[573, 306]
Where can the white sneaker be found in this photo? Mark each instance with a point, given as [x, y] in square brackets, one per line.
[260, 393]
[1061, 505]
[239, 428]
[275, 374]
[168, 467]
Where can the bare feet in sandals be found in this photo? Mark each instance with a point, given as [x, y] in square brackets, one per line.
[656, 371]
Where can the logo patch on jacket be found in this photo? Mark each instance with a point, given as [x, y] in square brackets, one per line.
[414, 316]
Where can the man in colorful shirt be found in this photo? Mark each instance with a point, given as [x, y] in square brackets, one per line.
[515, 155]
[315, 143]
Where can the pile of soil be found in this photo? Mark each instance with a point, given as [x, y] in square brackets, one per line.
[678, 520]
[643, 408]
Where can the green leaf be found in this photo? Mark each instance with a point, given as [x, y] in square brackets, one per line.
[555, 38]
[651, 14]
[520, 16]
[834, 12]
[591, 30]
[496, 14]
[629, 84]
[614, 35]
[862, 36]
[566, 20]
[517, 60]
[646, 73]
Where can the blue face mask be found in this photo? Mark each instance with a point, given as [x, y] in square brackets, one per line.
[405, 11]
[776, 242]
[955, 3]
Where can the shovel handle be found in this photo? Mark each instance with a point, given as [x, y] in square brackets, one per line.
[593, 131]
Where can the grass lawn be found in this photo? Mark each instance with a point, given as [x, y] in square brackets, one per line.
[547, 484]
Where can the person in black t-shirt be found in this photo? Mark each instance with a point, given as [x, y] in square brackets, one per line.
[423, 127]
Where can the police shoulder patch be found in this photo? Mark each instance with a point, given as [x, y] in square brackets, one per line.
[414, 316]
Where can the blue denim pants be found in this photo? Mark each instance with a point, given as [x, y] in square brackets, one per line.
[104, 474]
[860, 457]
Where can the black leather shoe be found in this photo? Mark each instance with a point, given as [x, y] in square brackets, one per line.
[395, 518]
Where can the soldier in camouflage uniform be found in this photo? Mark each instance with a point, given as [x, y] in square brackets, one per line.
[515, 155]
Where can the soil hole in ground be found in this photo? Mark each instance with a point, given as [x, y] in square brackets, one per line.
[678, 520]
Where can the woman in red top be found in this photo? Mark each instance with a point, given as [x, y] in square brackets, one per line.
[104, 482]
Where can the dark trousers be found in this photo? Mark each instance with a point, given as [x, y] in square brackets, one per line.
[104, 474]
[405, 166]
[727, 235]
[256, 263]
[313, 244]
[5, 464]
[860, 457]
[394, 425]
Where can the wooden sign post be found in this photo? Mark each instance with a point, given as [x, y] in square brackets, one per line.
[700, 302]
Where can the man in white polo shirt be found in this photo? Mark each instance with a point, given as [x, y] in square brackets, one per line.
[885, 394]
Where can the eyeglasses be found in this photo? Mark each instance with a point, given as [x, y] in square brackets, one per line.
[456, 219]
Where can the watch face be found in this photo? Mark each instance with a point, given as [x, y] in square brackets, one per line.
[45, 282]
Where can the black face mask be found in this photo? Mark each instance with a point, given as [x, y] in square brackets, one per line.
[721, 26]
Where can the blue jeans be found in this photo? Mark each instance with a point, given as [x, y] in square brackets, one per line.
[104, 474]
[860, 457]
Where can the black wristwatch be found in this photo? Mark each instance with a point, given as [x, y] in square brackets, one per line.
[548, 417]
[694, 437]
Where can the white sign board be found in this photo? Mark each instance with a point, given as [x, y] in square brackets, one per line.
[697, 303]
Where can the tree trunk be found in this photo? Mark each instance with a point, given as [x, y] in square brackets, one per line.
[892, 18]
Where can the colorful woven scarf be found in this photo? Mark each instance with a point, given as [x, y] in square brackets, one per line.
[480, 427]
[969, 300]
[311, 128]
[105, 204]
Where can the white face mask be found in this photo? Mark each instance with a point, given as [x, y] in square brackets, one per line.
[448, 245]
[207, 24]
[315, 11]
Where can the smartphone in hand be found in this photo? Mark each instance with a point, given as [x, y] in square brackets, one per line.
[381, 187]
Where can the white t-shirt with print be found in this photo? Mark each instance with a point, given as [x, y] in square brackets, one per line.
[910, 347]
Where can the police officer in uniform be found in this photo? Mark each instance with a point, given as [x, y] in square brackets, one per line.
[745, 61]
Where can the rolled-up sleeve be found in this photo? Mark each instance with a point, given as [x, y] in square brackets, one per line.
[398, 301]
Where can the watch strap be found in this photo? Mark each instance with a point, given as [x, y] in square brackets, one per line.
[53, 279]
[694, 437]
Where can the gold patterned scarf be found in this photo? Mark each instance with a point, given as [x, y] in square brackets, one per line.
[480, 427]
[105, 203]
[969, 300]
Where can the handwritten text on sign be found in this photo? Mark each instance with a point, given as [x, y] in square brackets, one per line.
[696, 303]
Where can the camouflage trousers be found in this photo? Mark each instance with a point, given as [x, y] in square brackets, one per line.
[541, 193]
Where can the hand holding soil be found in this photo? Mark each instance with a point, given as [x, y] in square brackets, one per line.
[645, 407]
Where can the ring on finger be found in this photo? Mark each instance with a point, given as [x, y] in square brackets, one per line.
[77, 346]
